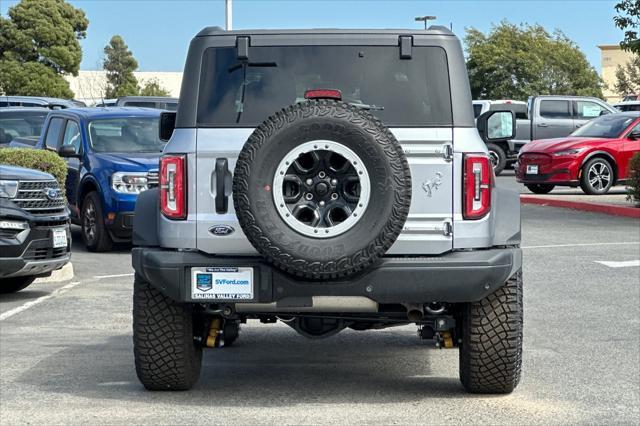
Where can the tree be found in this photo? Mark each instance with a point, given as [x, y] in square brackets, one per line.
[628, 77]
[515, 62]
[629, 22]
[39, 44]
[120, 65]
[152, 87]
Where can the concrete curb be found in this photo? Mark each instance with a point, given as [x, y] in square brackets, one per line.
[63, 274]
[609, 209]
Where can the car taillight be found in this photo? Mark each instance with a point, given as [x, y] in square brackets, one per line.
[173, 186]
[478, 179]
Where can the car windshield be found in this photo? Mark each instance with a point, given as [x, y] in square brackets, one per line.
[608, 126]
[18, 124]
[131, 134]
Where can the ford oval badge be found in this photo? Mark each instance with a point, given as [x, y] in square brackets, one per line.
[221, 230]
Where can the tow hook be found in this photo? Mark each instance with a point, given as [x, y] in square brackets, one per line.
[438, 329]
[214, 339]
[444, 340]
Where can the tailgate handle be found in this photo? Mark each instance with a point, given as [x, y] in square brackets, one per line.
[223, 185]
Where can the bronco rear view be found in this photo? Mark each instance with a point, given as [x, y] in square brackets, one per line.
[328, 179]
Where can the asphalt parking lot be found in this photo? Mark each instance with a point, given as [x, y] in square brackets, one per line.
[66, 350]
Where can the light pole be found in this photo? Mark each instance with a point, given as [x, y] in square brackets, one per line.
[228, 15]
[426, 19]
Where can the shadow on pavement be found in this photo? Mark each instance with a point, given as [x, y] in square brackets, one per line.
[23, 295]
[262, 369]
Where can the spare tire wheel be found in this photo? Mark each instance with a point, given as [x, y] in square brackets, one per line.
[322, 189]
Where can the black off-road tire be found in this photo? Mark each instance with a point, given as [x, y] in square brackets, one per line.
[540, 188]
[381, 222]
[166, 355]
[15, 284]
[491, 348]
[498, 158]
[101, 240]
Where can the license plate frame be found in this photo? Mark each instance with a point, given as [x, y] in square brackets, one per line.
[216, 283]
[532, 169]
[59, 237]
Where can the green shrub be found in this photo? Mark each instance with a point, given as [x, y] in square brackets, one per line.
[633, 184]
[38, 159]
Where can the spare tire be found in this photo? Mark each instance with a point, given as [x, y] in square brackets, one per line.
[322, 189]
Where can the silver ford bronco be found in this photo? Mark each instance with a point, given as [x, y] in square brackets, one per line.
[329, 179]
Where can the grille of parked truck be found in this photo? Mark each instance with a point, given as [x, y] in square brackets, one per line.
[329, 179]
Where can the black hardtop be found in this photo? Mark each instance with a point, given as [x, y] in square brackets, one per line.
[435, 36]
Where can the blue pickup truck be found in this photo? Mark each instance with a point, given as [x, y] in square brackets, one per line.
[112, 155]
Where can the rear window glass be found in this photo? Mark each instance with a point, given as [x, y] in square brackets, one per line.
[555, 109]
[14, 124]
[133, 134]
[140, 104]
[401, 92]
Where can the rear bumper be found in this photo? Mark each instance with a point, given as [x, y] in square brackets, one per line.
[456, 277]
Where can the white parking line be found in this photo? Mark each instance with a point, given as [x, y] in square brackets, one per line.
[100, 277]
[584, 245]
[620, 264]
[37, 301]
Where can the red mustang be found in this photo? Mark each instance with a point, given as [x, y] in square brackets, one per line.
[596, 156]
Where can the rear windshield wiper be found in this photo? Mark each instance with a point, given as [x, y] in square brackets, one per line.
[244, 66]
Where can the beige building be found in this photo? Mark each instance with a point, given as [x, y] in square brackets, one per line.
[612, 56]
[89, 86]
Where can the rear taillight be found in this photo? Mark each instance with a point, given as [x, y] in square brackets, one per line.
[478, 179]
[173, 186]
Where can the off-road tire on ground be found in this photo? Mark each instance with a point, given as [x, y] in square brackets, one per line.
[540, 188]
[15, 284]
[380, 224]
[491, 347]
[497, 154]
[584, 178]
[101, 241]
[166, 355]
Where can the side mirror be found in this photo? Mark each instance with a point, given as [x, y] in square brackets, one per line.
[497, 126]
[67, 151]
[634, 136]
[167, 125]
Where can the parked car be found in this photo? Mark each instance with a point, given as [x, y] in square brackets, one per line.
[34, 227]
[627, 106]
[106, 103]
[595, 157]
[548, 117]
[157, 102]
[327, 196]
[21, 122]
[38, 101]
[631, 97]
[112, 155]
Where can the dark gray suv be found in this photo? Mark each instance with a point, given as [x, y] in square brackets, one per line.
[329, 179]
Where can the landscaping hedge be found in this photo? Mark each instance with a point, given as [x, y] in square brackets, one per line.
[38, 159]
[633, 184]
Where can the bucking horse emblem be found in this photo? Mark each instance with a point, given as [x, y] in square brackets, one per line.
[431, 185]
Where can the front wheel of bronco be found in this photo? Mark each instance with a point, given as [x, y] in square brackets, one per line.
[491, 347]
[166, 355]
